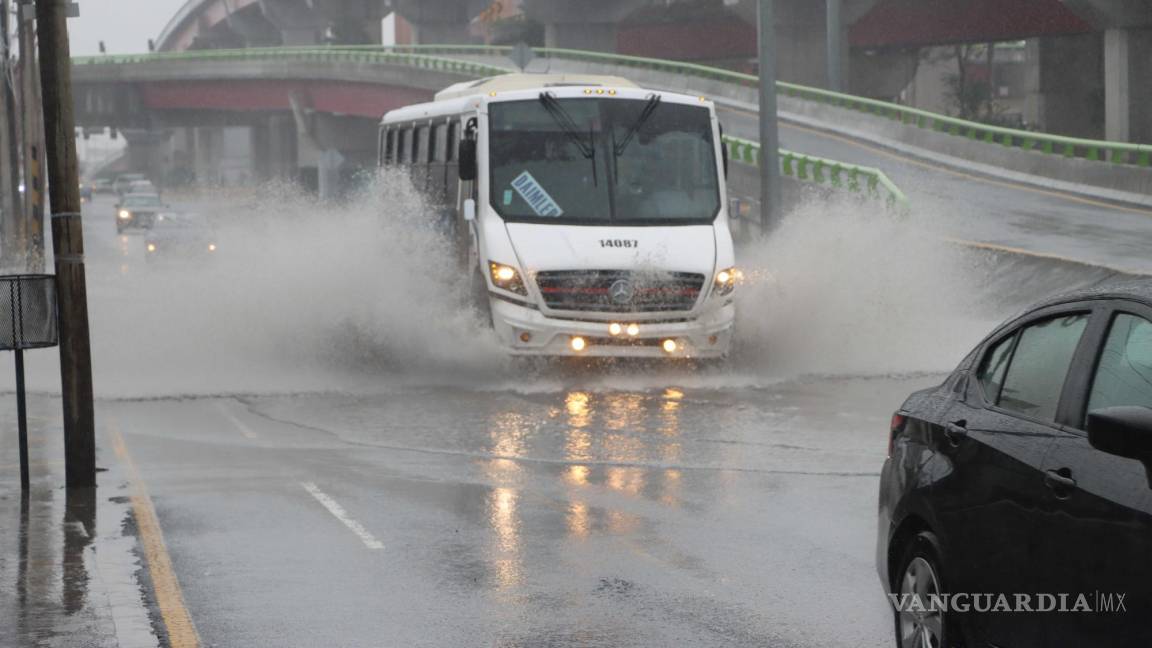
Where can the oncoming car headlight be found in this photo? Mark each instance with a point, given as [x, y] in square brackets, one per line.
[726, 281]
[506, 277]
[125, 214]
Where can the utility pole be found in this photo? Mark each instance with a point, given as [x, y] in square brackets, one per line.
[835, 29]
[769, 129]
[68, 243]
[11, 226]
[33, 135]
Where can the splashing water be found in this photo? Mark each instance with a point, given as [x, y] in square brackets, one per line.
[305, 296]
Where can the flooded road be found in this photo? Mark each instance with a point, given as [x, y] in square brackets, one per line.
[332, 451]
[625, 517]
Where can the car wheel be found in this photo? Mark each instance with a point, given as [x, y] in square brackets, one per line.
[919, 575]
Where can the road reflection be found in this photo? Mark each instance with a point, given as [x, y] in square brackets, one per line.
[52, 572]
[613, 443]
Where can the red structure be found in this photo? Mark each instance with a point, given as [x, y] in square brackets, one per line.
[921, 23]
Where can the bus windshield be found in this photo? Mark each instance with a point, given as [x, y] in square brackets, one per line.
[603, 160]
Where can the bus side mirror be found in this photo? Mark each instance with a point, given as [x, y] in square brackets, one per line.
[468, 170]
[469, 210]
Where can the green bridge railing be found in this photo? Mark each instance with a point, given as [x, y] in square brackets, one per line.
[822, 171]
[1072, 147]
[426, 56]
[804, 168]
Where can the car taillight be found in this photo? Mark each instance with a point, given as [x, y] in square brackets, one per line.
[898, 420]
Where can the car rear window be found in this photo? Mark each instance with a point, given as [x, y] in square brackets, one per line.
[1039, 365]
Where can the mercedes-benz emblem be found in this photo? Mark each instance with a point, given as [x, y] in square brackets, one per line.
[621, 292]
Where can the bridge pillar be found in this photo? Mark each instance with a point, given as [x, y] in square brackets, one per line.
[1067, 85]
[588, 25]
[440, 21]
[1127, 90]
[149, 152]
[274, 149]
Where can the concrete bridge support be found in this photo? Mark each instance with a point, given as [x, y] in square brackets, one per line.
[440, 21]
[589, 25]
[274, 145]
[150, 152]
[1127, 85]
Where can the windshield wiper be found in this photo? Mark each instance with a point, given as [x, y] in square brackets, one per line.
[568, 125]
[649, 108]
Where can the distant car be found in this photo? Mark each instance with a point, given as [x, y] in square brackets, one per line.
[142, 187]
[1029, 472]
[101, 185]
[138, 211]
[180, 235]
[125, 180]
[86, 192]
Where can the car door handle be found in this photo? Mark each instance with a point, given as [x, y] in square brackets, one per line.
[1059, 481]
[956, 431]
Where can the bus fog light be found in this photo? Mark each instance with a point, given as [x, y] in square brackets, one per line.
[713, 339]
[525, 337]
[578, 344]
[633, 330]
[615, 329]
[671, 346]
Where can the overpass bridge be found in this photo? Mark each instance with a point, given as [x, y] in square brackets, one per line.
[1072, 42]
[1081, 199]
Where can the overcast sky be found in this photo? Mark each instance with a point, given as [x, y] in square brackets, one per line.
[124, 25]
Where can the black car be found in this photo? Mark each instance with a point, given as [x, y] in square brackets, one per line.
[138, 211]
[1021, 487]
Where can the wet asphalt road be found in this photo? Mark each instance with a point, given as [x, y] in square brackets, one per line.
[564, 509]
[613, 517]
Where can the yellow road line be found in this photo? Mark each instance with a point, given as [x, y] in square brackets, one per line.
[960, 174]
[170, 599]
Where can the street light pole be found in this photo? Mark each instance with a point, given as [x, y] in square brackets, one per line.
[33, 136]
[835, 53]
[11, 226]
[769, 129]
[68, 243]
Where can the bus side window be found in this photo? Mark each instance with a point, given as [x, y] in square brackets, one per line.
[420, 160]
[405, 153]
[452, 167]
[380, 154]
[453, 140]
[439, 160]
[390, 147]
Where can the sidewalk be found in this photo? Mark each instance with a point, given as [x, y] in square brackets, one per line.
[70, 568]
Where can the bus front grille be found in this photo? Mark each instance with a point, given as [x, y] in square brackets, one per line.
[616, 291]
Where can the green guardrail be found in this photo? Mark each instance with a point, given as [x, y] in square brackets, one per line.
[304, 55]
[1072, 147]
[424, 56]
[804, 168]
[822, 171]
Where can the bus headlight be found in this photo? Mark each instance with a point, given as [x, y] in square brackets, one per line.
[124, 214]
[506, 277]
[726, 281]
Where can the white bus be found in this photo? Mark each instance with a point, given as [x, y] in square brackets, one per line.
[591, 213]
